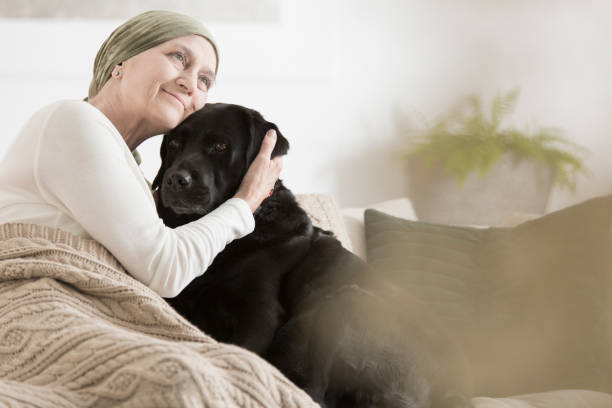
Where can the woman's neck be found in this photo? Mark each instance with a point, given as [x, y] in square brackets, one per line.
[132, 130]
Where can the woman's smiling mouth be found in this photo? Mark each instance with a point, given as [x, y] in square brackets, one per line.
[175, 97]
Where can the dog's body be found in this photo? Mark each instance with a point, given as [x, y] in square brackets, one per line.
[290, 292]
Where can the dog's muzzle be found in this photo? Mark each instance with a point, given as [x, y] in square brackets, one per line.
[184, 195]
[178, 180]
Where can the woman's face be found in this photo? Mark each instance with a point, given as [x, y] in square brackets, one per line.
[165, 84]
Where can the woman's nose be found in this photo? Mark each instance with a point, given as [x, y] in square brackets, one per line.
[185, 84]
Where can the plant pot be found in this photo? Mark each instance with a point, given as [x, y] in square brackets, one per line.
[511, 187]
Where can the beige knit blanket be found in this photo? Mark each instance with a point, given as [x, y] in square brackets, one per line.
[77, 331]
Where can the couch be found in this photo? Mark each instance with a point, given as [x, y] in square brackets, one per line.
[540, 320]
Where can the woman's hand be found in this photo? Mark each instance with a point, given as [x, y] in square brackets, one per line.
[261, 175]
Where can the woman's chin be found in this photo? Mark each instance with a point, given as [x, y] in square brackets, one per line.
[173, 120]
[168, 118]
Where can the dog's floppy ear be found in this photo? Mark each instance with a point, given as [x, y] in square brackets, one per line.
[258, 127]
[160, 174]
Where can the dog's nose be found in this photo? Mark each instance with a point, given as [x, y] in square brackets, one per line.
[179, 180]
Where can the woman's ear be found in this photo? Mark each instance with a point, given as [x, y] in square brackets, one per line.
[116, 73]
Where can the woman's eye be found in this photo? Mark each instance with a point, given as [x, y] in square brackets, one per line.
[220, 147]
[173, 144]
[204, 83]
[180, 57]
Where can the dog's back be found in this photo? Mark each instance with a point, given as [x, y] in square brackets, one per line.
[290, 292]
[358, 340]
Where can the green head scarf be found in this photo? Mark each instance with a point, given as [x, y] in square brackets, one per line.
[140, 33]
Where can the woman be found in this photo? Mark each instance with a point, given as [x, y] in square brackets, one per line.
[71, 166]
[75, 330]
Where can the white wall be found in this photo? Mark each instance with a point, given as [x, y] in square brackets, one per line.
[333, 73]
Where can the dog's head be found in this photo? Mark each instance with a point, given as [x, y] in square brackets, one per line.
[205, 158]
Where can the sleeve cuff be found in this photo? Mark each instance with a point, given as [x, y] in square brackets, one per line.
[245, 215]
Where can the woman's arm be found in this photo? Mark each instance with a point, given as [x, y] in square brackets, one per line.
[85, 169]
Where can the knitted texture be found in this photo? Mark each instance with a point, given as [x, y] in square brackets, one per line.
[325, 214]
[77, 331]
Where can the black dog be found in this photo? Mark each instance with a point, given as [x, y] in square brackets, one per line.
[290, 292]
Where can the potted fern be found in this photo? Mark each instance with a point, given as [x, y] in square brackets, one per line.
[466, 169]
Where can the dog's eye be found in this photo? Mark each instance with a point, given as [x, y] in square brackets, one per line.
[220, 147]
[173, 144]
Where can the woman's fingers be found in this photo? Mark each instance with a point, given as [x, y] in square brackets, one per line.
[276, 164]
[262, 174]
[267, 145]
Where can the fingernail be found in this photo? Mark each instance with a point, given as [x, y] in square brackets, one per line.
[271, 133]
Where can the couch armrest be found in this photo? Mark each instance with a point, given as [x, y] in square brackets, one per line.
[325, 214]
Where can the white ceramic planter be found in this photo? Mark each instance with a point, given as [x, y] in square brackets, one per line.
[509, 188]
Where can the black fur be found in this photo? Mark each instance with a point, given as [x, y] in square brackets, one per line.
[290, 292]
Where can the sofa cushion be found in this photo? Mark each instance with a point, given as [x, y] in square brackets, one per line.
[353, 220]
[530, 305]
[552, 399]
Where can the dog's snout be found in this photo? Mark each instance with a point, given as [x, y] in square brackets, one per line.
[179, 180]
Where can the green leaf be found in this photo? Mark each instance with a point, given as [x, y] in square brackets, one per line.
[467, 141]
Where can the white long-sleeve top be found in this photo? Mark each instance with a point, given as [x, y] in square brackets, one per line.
[69, 168]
